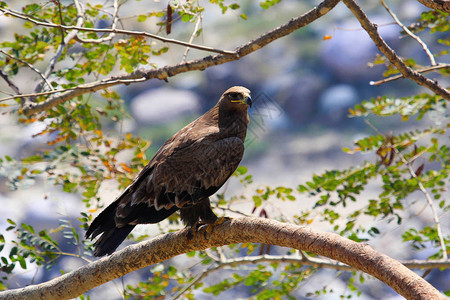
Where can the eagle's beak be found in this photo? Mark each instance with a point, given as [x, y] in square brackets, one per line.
[248, 100]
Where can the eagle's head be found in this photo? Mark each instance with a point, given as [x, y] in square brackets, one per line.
[237, 97]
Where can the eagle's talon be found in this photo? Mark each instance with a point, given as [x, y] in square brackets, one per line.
[210, 227]
[194, 228]
[222, 220]
[189, 234]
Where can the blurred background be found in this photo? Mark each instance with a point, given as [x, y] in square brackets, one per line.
[302, 86]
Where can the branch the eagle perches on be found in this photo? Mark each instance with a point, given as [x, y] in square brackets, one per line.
[240, 230]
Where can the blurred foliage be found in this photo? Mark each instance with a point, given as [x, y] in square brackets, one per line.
[83, 150]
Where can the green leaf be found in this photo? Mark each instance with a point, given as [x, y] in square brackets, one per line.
[257, 200]
[28, 25]
[141, 18]
[186, 18]
[22, 262]
[241, 170]
[268, 3]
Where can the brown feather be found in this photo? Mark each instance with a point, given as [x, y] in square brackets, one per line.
[185, 171]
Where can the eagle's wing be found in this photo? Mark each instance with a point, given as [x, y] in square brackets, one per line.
[191, 166]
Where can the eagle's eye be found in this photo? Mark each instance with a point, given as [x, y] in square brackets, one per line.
[235, 96]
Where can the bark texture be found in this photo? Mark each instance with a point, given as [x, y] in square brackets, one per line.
[443, 5]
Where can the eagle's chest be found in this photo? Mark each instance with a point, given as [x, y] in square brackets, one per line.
[233, 127]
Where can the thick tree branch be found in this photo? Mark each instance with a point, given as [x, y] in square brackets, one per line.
[255, 230]
[443, 5]
[200, 64]
[391, 55]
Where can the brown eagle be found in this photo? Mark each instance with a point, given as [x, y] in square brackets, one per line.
[186, 170]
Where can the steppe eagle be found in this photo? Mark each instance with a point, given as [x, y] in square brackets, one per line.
[186, 170]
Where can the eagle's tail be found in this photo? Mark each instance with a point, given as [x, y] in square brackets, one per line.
[111, 239]
[111, 235]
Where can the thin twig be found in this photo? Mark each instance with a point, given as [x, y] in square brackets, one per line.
[424, 46]
[20, 96]
[116, 31]
[407, 72]
[259, 259]
[222, 255]
[113, 26]
[422, 70]
[234, 211]
[89, 87]
[30, 66]
[9, 82]
[59, 51]
[422, 189]
[60, 18]
[302, 259]
[199, 20]
[211, 255]
[429, 200]
[196, 280]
